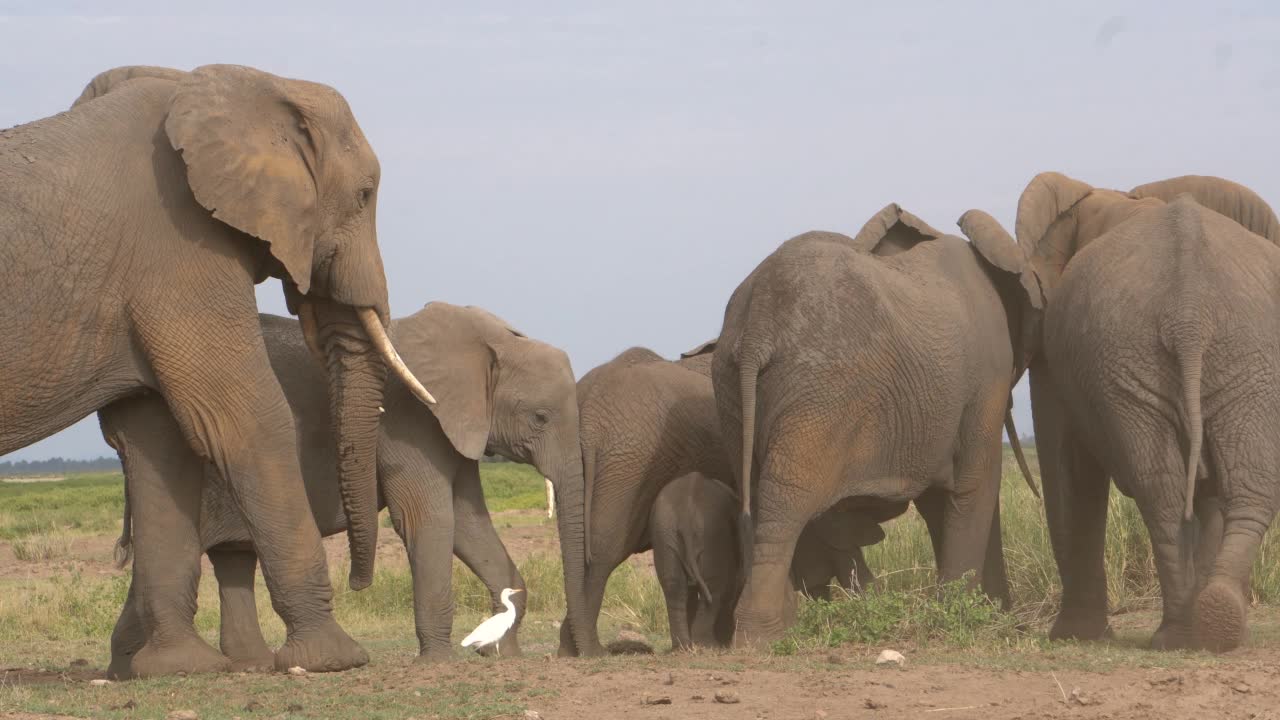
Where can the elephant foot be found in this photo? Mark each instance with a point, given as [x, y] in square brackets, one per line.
[264, 661]
[509, 646]
[158, 657]
[1171, 636]
[434, 655]
[327, 648]
[1221, 616]
[1078, 626]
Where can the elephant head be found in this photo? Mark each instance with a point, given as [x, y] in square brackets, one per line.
[1059, 216]
[285, 166]
[504, 393]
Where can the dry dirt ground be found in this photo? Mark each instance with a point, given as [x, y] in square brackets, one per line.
[1115, 680]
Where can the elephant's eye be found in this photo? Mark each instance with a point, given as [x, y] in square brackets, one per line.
[541, 417]
[364, 197]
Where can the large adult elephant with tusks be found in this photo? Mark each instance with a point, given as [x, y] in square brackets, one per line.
[133, 229]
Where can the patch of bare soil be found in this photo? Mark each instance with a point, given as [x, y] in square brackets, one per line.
[666, 687]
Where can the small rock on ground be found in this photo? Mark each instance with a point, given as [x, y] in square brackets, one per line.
[182, 715]
[297, 670]
[99, 682]
[657, 699]
[727, 697]
[890, 657]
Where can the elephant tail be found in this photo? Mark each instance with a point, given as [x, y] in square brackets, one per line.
[123, 551]
[1191, 362]
[749, 374]
[1016, 445]
[589, 478]
[688, 558]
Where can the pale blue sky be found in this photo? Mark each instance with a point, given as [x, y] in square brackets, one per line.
[603, 175]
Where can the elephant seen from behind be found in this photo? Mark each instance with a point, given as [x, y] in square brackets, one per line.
[875, 369]
[1153, 359]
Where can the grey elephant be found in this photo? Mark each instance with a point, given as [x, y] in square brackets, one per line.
[646, 421]
[874, 370]
[503, 393]
[1152, 301]
[134, 228]
[693, 532]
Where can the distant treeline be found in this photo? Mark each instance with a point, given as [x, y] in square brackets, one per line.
[1026, 441]
[58, 466]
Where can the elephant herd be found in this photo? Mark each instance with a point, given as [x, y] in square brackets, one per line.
[852, 376]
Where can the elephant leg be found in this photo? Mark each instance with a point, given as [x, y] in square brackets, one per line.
[995, 574]
[931, 504]
[787, 500]
[967, 513]
[1249, 493]
[240, 635]
[476, 543]
[164, 484]
[703, 620]
[1075, 491]
[680, 599]
[127, 638]
[1083, 615]
[233, 412]
[861, 578]
[420, 498]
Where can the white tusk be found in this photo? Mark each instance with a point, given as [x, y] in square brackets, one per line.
[381, 409]
[378, 336]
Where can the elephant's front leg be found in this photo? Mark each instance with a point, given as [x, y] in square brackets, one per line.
[240, 635]
[156, 632]
[476, 543]
[419, 495]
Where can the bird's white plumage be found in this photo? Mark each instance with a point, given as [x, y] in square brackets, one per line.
[492, 630]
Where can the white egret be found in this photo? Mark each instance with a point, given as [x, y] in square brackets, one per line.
[495, 628]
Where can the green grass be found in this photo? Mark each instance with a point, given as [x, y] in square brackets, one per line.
[90, 504]
[511, 486]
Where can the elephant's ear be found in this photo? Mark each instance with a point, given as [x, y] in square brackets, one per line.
[893, 230]
[108, 80]
[703, 349]
[1220, 195]
[251, 154]
[444, 345]
[995, 246]
[1044, 200]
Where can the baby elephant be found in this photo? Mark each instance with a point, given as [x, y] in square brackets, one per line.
[694, 534]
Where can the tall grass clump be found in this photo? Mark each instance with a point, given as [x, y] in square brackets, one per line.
[52, 544]
[952, 613]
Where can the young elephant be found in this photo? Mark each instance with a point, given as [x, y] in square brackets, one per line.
[506, 394]
[693, 531]
[1075, 398]
[876, 368]
[693, 528]
[646, 421]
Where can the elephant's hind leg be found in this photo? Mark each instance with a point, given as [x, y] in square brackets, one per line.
[164, 482]
[240, 635]
[1246, 467]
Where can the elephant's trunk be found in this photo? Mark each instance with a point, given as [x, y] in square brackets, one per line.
[356, 381]
[567, 479]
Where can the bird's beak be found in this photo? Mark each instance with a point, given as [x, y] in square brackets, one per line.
[513, 592]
